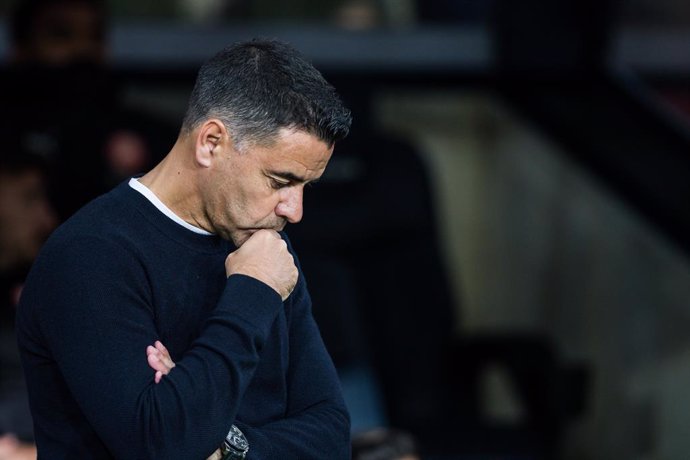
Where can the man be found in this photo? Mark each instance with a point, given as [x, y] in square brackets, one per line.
[190, 255]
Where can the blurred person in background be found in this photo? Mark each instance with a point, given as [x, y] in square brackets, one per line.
[59, 78]
[26, 219]
[58, 32]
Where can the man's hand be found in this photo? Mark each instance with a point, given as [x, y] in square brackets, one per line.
[159, 360]
[265, 256]
[12, 449]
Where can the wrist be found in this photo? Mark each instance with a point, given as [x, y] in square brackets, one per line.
[235, 445]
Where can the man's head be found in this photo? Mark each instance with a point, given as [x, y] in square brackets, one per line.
[258, 87]
[262, 123]
[58, 32]
[26, 216]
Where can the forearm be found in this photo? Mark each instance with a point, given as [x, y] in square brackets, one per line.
[194, 406]
[317, 424]
[322, 431]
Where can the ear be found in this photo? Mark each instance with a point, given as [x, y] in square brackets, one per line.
[211, 140]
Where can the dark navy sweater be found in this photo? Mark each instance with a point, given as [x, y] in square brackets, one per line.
[118, 276]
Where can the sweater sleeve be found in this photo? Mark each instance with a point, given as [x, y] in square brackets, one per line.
[91, 305]
[317, 423]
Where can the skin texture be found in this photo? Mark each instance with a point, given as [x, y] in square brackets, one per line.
[233, 192]
[242, 194]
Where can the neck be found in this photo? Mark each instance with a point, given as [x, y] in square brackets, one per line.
[174, 181]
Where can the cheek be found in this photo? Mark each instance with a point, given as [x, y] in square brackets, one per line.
[246, 202]
[263, 208]
[243, 208]
[259, 200]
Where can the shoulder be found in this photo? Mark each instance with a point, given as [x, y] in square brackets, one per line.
[110, 220]
[96, 239]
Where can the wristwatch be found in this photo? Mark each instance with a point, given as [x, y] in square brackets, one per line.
[235, 446]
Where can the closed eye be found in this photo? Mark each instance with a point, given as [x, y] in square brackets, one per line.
[287, 179]
[279, 183]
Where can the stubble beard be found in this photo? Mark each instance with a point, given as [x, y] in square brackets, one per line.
[240, 236]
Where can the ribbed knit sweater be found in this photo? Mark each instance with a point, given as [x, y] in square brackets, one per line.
[119, 275]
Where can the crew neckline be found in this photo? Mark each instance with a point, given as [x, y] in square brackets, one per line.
[149, 195]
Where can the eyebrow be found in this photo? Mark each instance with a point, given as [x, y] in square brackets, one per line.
[291, 177]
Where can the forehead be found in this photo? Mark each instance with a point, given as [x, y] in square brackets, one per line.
[295, 151]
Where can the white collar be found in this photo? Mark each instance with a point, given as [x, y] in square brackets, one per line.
[144, 190]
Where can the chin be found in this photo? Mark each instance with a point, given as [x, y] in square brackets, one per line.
[240, 237]
[238, 240]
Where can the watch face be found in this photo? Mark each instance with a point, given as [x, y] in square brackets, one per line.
[236, 439]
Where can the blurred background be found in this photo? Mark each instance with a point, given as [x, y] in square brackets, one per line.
[498, 254]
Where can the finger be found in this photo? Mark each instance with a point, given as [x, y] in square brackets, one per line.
[161, 347]
[8, 444]
[161, 363]
[158, 377]
[164, 358]
[156, 364]
[168, 361]
[164, 355]
[165, 362]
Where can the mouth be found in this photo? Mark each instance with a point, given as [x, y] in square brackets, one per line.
[279, 227]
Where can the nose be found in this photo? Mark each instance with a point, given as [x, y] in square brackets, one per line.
[290, 205]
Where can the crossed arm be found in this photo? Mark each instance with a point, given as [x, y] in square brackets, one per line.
[159, 359]
[293, 436]
[189, 412]
[312, 427]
